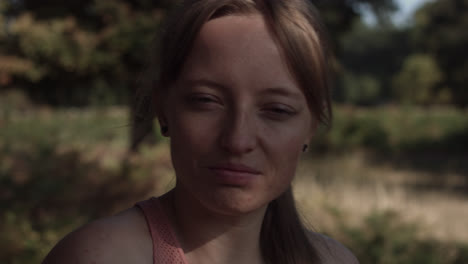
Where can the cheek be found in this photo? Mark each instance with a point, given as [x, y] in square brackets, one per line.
[191, 139]
[283, 154]
[287, 158]
[287, 140]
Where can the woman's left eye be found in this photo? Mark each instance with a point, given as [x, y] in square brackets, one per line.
[202, 99]
[203, 102]
[279, 112]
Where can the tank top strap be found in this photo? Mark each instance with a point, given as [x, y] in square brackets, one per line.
[166, 248]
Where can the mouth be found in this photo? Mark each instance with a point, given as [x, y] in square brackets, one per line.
[235, 167]
[234, 174]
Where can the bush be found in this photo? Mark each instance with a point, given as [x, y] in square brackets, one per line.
[391, 130]
[60, 169]
[384, 238]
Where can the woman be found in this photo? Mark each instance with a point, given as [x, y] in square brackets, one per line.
[242, 88]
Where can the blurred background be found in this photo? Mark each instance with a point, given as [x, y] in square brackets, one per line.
[389, 180]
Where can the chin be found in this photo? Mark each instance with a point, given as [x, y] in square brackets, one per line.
[234, 202]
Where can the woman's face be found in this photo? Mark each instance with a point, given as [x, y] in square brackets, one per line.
[237, 119]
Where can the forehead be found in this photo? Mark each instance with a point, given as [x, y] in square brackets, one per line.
[244, 30]
[237, 49]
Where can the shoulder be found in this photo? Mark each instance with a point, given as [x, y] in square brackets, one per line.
[123, 238]
[331, 251]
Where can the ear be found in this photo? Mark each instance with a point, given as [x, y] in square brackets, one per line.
[162, 119]
[163, 125]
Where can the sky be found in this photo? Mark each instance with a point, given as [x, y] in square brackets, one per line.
[407, 7]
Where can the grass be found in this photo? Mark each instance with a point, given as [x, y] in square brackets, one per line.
[357, 188]
[390, 183]
[375, 210]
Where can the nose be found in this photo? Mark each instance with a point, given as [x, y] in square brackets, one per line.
[239, 134]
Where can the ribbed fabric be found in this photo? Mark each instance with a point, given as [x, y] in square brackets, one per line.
[166, 248]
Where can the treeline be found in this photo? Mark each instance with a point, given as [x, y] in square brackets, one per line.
[94, 52]
[424, 62]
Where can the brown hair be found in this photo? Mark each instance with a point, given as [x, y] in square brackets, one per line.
[296, 27]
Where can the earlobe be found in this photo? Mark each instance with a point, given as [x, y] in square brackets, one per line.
[159, 110]
[165, 131]
[164, 127]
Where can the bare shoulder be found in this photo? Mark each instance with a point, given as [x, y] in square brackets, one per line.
[332, 251]
[123, 238]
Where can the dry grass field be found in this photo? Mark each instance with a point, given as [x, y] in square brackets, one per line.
[357, 187]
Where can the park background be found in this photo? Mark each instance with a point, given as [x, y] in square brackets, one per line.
[389, 180]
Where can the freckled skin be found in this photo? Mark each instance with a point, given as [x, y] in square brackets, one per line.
[238, 120]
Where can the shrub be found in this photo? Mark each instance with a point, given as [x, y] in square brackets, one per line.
[384, 238]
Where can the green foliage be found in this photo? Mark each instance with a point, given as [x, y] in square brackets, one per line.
[28, 127]
[61, 169]
[391, 130]
[43, 196]
[384, 238]
[422, 63]
[440, 30]
[418, 80]
[63, 60]
[339, 15]
[370, 56]
[363, 90]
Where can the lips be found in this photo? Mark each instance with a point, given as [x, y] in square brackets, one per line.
[235, 168]
[234, 174]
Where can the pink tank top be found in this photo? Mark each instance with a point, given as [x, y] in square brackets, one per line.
[166, 248]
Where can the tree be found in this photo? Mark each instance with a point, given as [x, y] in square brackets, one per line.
[440, 30]
[371, 55]
[417, 79]
[76, 52]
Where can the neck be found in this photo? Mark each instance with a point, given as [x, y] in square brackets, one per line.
[210, 237]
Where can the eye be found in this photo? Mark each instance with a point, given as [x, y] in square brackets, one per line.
[203, 100]
[279, 111]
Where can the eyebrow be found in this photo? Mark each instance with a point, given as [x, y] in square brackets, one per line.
[279, 90]
[203, 82]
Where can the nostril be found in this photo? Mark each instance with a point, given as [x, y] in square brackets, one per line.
[238, 139]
